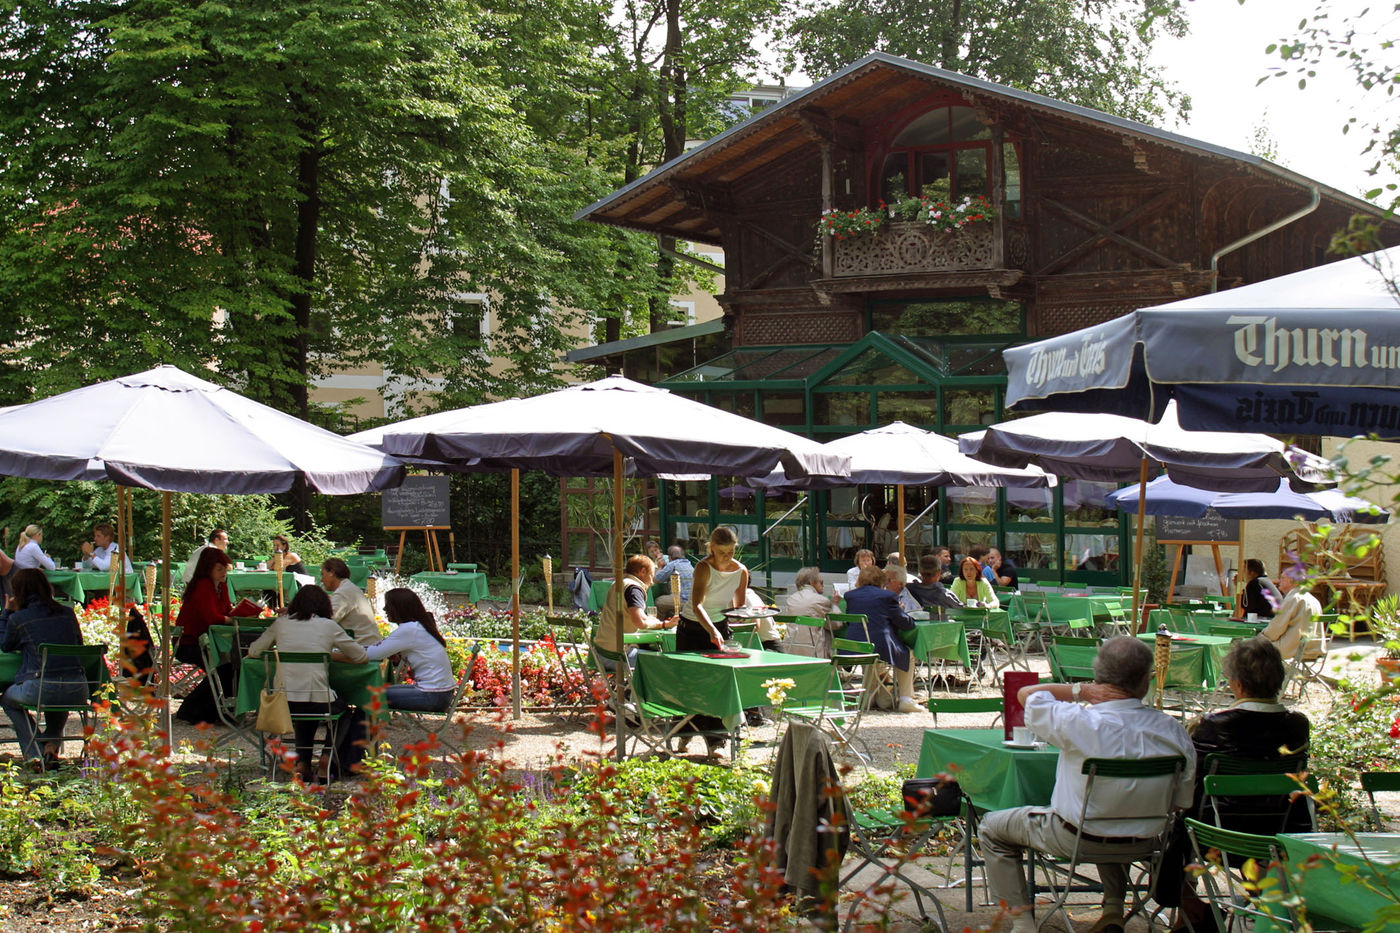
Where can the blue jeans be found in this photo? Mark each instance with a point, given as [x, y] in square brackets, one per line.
[61, 692]
[409, 697]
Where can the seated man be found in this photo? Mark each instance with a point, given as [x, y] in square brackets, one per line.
[979, 552]
[897, 582]
[637, 575]
[1115, 724]
[349, 603]
[676, 565]
[1003, 570]
[809, 599]
[1293, 620]
[97, 553]
[930, 593]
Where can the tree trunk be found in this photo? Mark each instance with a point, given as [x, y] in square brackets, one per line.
[304, 268]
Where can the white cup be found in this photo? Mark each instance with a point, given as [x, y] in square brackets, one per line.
[262, 565]
[1252, 617]
[78, 565]
[1022, 735]
[239, 565]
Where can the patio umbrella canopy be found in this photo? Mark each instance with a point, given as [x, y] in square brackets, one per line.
[165, 429]
[611, 426]
[1111, 448]
[208, 439]
[1165, 497]
[1314, 352]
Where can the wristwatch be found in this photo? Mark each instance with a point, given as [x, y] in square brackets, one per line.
[1074, 690]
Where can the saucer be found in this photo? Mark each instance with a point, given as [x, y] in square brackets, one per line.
[1026, 746]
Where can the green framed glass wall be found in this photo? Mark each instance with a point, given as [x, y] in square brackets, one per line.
[951, 384]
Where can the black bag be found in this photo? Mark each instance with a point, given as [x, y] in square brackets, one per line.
[932, 797]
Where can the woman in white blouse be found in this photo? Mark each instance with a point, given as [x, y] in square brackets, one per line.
[30, 555]
[416, 637]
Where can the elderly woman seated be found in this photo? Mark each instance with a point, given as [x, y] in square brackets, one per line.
[1255, 726]
[809, 599]
[884, 621]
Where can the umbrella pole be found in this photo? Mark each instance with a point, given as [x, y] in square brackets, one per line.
[620, 726]
[899, 500]
[515, 591]
[165, 614]
[1138, 625]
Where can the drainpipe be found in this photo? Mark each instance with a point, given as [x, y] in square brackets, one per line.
[1259, 234]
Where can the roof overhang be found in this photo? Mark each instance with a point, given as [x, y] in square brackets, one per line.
[670, 335]
[862, 93]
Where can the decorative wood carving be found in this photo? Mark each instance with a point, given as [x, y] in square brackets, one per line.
[911, 246]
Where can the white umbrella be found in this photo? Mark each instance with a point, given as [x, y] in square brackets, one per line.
[611, 426]
[168, 430]
[899, 454]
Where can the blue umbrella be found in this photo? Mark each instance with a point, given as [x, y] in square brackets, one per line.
[1167, 498]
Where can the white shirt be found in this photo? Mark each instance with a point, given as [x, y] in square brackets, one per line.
[1116, 729]
[32, 557]
[188, 573]
[101, 558]
[352, 609]
[306, 683]
[1292, 622]
[852, 575]
[432, 671]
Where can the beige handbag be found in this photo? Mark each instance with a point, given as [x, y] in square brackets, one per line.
[274, 715]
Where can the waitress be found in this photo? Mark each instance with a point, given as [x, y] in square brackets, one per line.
[720, 583]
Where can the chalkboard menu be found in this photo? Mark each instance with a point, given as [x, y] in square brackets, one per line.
[421, 502]
[1209, 527]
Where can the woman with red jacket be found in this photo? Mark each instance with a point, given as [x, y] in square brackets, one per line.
[205, 603]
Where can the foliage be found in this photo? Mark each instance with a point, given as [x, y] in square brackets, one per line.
[472, 851]
[1094, 53]
[722, 800]
[1383, 619]
[29, 845]
[840, 224]
[594, 511]
[1361, 41]
[545, 680]
[1358, 733]
[934, 212]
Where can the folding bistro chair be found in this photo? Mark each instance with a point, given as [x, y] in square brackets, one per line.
[849, 656]
[840, 712]
[1373, 781]
[90, 658]
[571, 635]
[226, 701]
[1145, 802]
[1308, 661]
[1071, 658]
[437, 724]
[805, 635]
[938, 705]
[1266, 802]
[329, 716]
[651, 726]
[1227, 894]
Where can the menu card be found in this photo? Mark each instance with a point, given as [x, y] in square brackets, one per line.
[1013, 713]
[246, 608]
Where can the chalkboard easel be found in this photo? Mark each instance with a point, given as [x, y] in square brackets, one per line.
[430, 544]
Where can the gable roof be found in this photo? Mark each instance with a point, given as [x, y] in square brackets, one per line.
[862, 92]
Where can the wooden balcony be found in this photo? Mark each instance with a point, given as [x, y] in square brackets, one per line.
[913, 252]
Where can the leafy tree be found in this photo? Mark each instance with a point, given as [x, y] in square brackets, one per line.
[1089, 52]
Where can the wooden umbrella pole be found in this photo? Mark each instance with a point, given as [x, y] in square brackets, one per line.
[165, 611]
[515, 592]
[1138, 624]
[617, 596]
[547, 566]
[899, 499]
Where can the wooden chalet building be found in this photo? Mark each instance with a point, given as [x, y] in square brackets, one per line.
[1094, 216]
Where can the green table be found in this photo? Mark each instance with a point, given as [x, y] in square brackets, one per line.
[725, 687]
[76, 584]
[1195, 658]
[1081, 611]
[599, 594]
[253, 583]
[1332, 899]
[946, 641]
[351, 682]
[473, 584]
[993, 776]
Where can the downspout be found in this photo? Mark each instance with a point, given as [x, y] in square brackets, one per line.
[1259, 234]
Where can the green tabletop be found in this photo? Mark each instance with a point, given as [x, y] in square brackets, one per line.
[980, 618]
[931, 641]
[1331, 896]
[1196, 659]
[599, 593]
[77, 584]
[993, 776]
[253, 583]
[473, 584]
[351, 682]
[1081, 611]
[725, 687]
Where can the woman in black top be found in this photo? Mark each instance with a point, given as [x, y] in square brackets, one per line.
[1256, 596]
[32, 618]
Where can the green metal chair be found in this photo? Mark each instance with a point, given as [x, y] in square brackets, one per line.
[329, 716]
[958, 705]
[1226, 893]
[1146, 801]
[1384, 781]
[90, 658]
[1234, 629]
[804, 634]
[438, 725]
[1072, 658]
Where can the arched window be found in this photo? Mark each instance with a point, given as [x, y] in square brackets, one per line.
[947, 153]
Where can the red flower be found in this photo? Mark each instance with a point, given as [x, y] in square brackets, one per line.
[1395, 728]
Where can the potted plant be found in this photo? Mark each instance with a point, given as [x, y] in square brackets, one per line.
[1384, 620]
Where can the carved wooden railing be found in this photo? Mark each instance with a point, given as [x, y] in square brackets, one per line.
[906, 246]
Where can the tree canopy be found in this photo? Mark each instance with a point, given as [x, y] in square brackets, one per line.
[1088, 52]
